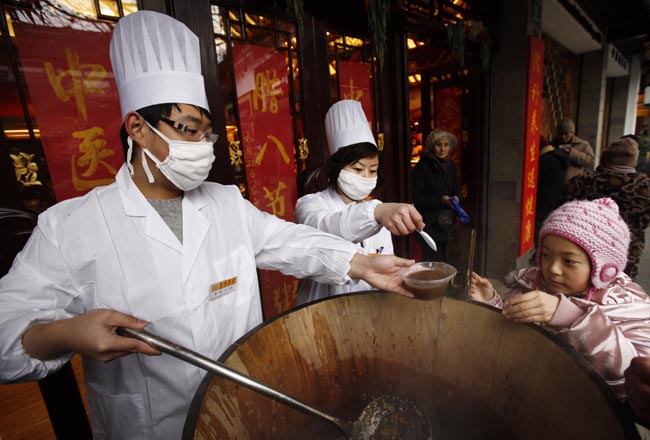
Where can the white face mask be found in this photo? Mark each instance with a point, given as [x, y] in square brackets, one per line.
[187, 165]
[355, 186]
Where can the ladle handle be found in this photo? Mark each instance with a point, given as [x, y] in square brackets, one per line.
[198, 360]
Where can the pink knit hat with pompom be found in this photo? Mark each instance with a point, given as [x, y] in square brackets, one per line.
[598, 229]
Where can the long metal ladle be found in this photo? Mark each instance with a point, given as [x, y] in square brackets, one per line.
[388, 413]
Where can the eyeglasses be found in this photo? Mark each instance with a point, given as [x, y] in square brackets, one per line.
[192, 133]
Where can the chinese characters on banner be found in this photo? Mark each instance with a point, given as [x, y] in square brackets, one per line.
[269, 154]
[531, 144]
[75, 102]
[448, 104]
[355, 82]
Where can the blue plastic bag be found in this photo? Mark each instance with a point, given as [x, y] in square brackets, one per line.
[463, 216]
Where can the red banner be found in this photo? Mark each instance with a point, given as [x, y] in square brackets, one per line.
[355, 82]
[269, 154]
[448, 104]
[75, 102]
[531, 144]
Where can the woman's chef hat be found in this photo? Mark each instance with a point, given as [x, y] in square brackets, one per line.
[156, 60]
[346, 124]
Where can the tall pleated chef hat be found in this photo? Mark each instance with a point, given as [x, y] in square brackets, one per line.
[156, 60]
[346, 124]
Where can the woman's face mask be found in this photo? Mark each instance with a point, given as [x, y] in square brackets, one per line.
[187, 165]
[354, 186]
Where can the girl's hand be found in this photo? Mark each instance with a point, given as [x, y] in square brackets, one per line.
[535, 306]
[480, 289]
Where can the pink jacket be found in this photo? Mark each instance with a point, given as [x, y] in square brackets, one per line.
[608, 330]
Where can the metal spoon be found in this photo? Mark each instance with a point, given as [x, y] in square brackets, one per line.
[427, 238]
[380, 419]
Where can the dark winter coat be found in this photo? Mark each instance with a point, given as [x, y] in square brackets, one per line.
[432, 179]
[551, 176]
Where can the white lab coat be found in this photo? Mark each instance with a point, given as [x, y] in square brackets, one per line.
[355, 222]
[110, 249]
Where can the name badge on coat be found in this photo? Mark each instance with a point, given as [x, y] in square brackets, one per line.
[221, 288]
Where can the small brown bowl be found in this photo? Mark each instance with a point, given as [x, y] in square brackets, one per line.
[428, 279]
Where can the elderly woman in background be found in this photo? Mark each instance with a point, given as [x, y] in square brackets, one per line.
[435, 185]
[617, 178]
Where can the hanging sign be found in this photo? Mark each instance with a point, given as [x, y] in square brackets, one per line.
[269, 154]
[355, 82]
[531, 144]
[74, 99]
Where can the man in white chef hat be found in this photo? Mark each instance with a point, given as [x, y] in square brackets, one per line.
[159, 248]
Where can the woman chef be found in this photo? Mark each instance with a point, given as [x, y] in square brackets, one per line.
[160, 247]
[343, 208]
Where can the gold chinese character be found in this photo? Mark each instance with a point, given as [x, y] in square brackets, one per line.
[84, 79]
[534, 93]
[281, 149]
[234, 150]
[26, 171]
[276, 201]
[530, 209]
[534, 128]
[528, 231]
[284, 297]
[531, 179]
[537, 62]
[92, 147]
[93, 151]
[267, 88]
[303, 149]
[354, 94]
[533, 151]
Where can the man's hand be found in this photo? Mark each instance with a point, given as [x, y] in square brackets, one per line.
[399, 218]
[480, 289]
[91, 334]
[637, 387]
[381, 272]
[535, 306]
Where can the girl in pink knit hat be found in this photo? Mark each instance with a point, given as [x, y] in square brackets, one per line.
[578, 289]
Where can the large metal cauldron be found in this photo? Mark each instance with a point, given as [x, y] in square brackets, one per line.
[476, 374]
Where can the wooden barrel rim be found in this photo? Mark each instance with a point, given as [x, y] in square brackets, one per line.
[621, 410]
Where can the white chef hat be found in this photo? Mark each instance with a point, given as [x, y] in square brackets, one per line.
[156, 60]
[346, 124]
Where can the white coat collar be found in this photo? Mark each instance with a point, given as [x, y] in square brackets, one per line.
[195, 224]
[334, 197]
[135, 203]
[132, 199]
